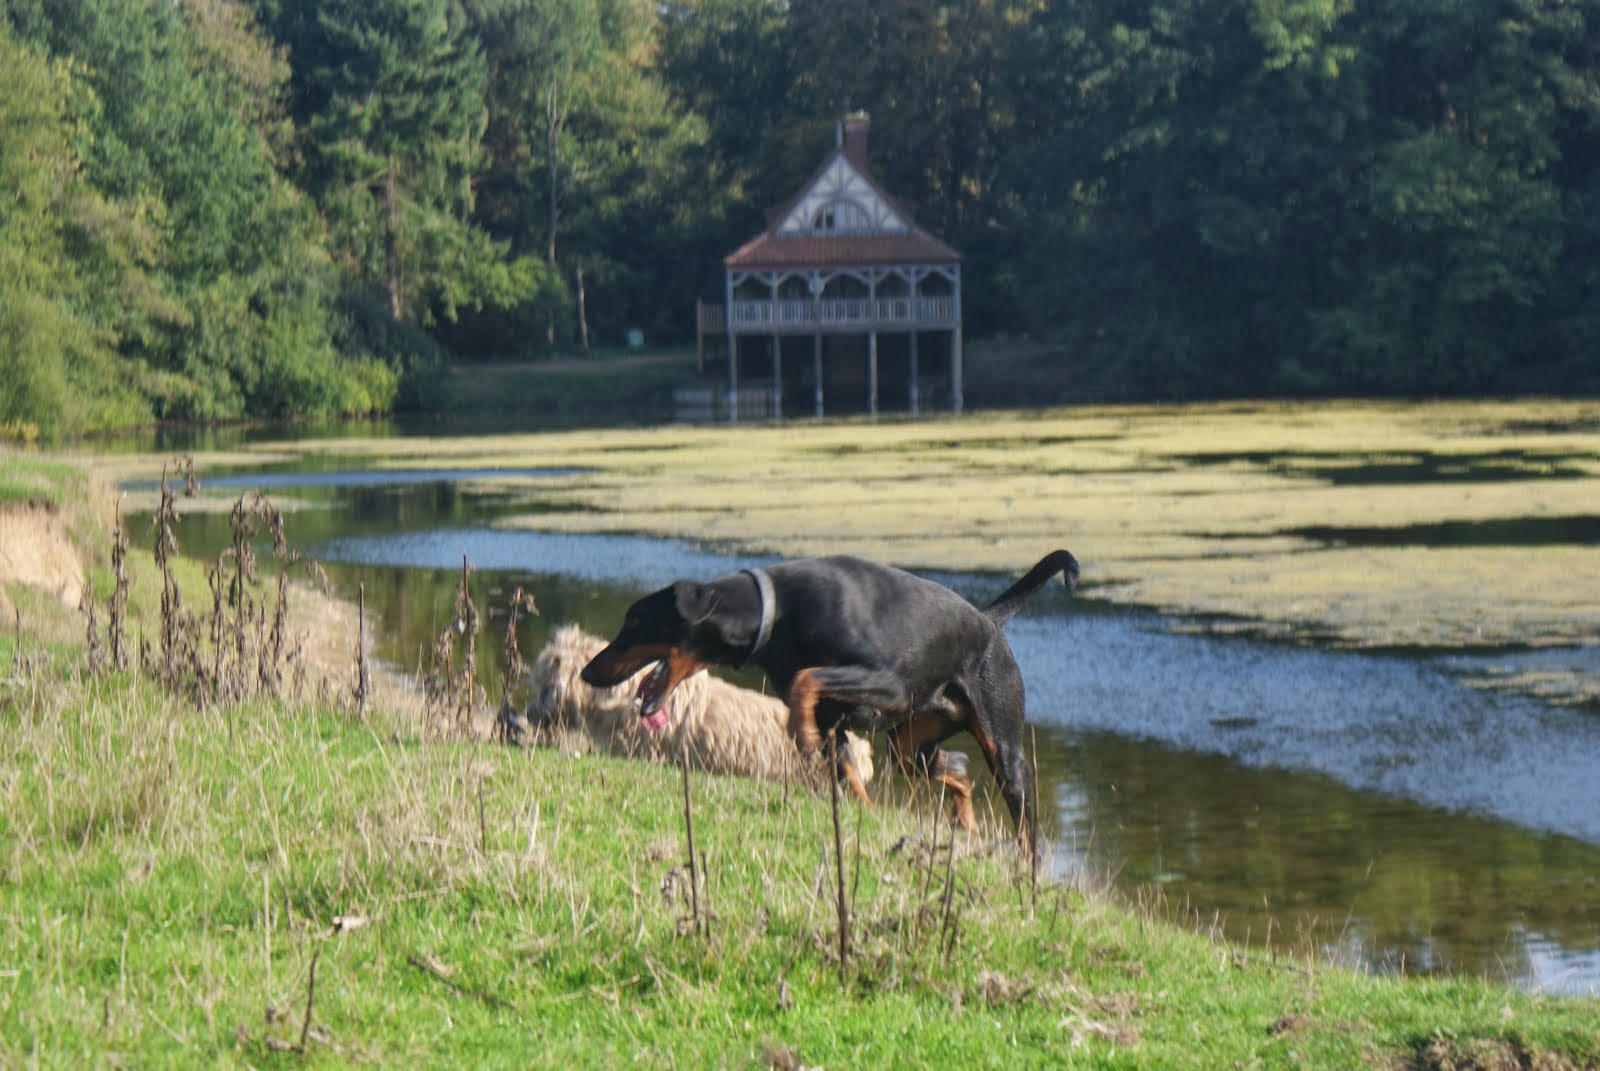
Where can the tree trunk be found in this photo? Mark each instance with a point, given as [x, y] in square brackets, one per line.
[583, 317]
[552, 125]
[391, 246]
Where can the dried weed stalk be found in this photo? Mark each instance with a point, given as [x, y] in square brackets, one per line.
[97, 654]
[117, 609]
[175, 623]
[450, 688]
[363, 689]
[696, 923]
[509, 726]
[239, 650]
[840, 902]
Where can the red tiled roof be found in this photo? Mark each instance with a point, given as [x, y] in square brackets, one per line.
[769, 250]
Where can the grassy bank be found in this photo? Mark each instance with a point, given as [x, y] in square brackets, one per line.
[569, 391]
[172, 877]
[625, 388]
[275, 883]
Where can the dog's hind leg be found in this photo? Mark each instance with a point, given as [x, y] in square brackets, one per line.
[914, 745]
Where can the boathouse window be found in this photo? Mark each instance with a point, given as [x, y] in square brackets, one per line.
[838, 216]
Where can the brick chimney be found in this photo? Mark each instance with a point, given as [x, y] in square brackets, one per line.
[853, 136]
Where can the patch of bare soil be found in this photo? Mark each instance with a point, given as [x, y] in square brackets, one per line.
[1489, 1054]
[35, 550]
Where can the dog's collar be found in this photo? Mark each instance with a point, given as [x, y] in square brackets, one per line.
[769, 610]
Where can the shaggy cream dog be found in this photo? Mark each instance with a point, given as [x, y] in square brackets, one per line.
[722, 727]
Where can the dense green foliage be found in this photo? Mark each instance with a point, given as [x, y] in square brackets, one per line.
[220, 208]
[1328, 195]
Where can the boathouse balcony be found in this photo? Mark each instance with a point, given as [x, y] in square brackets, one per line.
[837, 314]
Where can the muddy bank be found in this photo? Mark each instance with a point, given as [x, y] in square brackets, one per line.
[36, 550]
[325, 632]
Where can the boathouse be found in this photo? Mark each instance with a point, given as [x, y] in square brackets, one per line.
[842, 304]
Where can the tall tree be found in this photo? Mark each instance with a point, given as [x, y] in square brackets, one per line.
[935, 78]
[542, 53]
[49, 344]
[389, 97]
[1299, 194]
[390, 94]
[730, 63]
[587, 149]
[236, 321]
[1446, 263]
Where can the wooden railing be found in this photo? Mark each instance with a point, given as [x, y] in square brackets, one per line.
[829, 314]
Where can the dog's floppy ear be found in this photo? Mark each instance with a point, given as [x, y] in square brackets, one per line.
[695, 602]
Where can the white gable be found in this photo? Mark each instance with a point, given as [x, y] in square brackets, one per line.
[841, 201]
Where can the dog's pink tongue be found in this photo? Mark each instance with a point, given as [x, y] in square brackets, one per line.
[656, 722]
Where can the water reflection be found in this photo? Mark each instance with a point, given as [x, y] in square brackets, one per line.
[1373, 808]
[1362, 878]
[631, 560]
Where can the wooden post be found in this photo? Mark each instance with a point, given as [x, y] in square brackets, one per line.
[775, 341]
[955, 366]
[777, 377]
[872, 373]
[816, 358]
[699, 335]
[913, 372]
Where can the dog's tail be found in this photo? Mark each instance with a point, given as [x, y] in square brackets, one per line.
[1006, 606]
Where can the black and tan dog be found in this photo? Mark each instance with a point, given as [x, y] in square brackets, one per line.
[842, 636]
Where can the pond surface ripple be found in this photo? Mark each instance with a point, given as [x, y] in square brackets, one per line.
[1403, 727]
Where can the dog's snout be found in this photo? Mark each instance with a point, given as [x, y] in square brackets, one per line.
[607, 669]
[594, 674]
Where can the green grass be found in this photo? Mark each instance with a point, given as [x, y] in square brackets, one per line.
[26, 477]
[168, 876]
